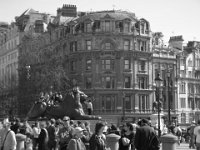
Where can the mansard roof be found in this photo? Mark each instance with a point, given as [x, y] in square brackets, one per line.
[117, 15]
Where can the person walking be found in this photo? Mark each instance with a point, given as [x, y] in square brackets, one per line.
[142, 136]
[8, 139]
[76, 143]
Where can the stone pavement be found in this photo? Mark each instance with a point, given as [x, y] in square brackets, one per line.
[183, 146]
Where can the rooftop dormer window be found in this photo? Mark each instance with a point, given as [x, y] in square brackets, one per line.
[126, 27]
[88, 27]
[142, 28]
[107, 25]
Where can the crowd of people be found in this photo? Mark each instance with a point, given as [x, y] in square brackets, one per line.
[66, 134]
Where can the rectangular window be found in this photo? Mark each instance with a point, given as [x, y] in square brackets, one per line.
[182, 73]
[127, 103]
[143, 103]
[142, 82]
[108, 82]
[142, 28]
[107, 46]
[107, 25]
[107, 103]
[73, 66]
[107, 64]
[88, 83]
[189, 74]
[182, 88]
[183, 118]
[126, 44]
[127, 64]
[190, 102]
[143, 46]
[183, 103]
[182, 62]
[127, 82]
[88, 45]
[142, 66]
[88, 64]
[88, 27]
[73, 46]
[126, 27]
[191, 117]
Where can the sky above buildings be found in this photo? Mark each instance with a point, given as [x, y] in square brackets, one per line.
[171, 17]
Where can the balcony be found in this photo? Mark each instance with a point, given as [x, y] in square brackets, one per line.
[120, 111]
[142, 72]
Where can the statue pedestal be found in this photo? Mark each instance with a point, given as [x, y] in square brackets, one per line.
[154, 120]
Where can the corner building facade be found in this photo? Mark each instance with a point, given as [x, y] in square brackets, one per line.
[110, 57]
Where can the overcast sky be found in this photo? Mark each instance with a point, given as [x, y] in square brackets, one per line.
[172, 17]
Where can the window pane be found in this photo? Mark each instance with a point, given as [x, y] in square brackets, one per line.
[88, 27]
[126, 45]
[107, 46]
[89, 64]
[128, 103]
[126, 27]
[107, 25]
[127, 82]
[88, 83]
[88, 45]
[127, 64]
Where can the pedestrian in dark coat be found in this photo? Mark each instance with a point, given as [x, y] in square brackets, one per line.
[142, 135]
[52, 135]
[97, 141]
[43, 137]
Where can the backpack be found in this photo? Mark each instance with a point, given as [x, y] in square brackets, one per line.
[154, 142]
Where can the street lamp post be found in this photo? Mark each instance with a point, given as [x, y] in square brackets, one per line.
[169, 101]
[158, 81]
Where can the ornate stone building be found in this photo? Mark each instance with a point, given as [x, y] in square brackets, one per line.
[109, 53]
[189, 83]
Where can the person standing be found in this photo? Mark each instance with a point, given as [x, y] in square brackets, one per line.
[36, 133]
[190, 131]
[126, 141]
[65, 133]
[76, 143]
[97, 141]
[142, 135]
[43, 137]
[52, 135]
[89, 107]
[8, 139]
[197, 135]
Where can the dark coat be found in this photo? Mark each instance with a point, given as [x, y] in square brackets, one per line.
[142, 137]
[43, 140]
[96, 143]
[131, 137]
[52, 136]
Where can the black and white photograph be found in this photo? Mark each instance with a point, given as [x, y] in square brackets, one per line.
[100, 75]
